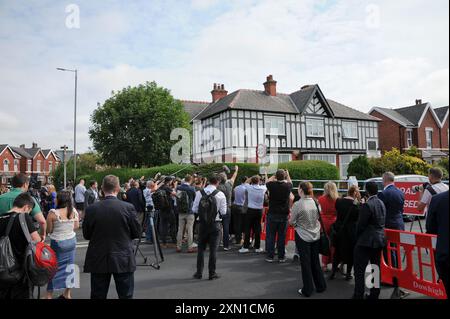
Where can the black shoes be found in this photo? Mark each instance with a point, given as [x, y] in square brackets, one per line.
[197, 276]
[213, 276]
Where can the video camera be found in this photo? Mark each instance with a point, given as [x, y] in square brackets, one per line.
[421, 188]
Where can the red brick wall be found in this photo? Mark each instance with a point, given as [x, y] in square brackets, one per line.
[390, 133]
[444, 135]
[51, 158]
[428, 121]
[7, 155]
[39, 157]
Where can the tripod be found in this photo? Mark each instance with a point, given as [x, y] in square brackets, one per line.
[149, 219]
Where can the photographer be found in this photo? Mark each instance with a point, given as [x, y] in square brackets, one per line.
[166, 207]
[226, 186]
[434, 187]
[185, 199]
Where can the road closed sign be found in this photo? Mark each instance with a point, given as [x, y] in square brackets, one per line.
[412, 198]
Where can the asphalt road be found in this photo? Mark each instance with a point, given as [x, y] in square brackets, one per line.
[242, 276]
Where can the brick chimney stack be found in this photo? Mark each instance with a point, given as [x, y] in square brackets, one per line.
[218, 92]
[34, 145]
[418, 101]
[22, 146]
[270, 86]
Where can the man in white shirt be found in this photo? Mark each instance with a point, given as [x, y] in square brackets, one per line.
[209, 233]
[435, 176]
[255, 198]
[80, 189]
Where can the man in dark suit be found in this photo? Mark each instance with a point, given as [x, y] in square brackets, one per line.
[370, 241]
[136, 197]
[91, 194]
[437, 223]
[394, 201]
[110, 226]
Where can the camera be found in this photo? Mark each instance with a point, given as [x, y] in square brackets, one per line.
[421, 188]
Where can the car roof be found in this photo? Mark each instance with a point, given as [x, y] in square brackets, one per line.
[400, 177]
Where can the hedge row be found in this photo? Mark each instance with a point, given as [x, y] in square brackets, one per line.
[305, 170]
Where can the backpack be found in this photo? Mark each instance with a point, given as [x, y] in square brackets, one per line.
[160, 200]
[207, 208]
[184, 202]
[40, 260]
[10, 270]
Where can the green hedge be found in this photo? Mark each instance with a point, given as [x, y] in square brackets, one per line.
[298, 169]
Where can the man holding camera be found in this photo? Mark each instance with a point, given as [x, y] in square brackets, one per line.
[433, 188]
[186, 218]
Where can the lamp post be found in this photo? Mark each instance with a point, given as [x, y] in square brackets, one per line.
[74, 124]
[64, 148]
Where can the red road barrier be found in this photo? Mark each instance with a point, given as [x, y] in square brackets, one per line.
[406, 274]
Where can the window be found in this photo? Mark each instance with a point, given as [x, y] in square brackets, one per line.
[274, 125]
[50, 167]
[350, 129]
[344, 161]
[29, 165]
[429, 137]
[38, 166]
[330, 158]
[314, 128]
[279, 158]
[372, 145]
[6, 165]
[16, 165]
[409, 139]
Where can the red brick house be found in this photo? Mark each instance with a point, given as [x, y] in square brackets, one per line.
[9, 163]
[418, 125]
[30, 161]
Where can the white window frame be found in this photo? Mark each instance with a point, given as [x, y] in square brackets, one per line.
[280, 158]
[279, 129]
[16, 165]
[6, 165]
[329, 158]
[409, 138]
[50, 166]
[427, 131]
[29, 165]
[353, 132]
[343, 165]
[38, 166]
[314, 131]
[372, 140]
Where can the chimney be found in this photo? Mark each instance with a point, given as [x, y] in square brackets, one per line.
[418, 101]
[218, 92]
[34, 145]
[22, 146]
[270, 86]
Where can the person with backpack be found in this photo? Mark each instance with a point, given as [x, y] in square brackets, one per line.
[210, 205]
[13, 248]
[163, 200]
[226, 186]
[62, 223]
[185, 199]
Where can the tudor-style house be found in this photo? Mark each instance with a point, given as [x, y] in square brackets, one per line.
[418, 125]
[30, 161]
[301, 125]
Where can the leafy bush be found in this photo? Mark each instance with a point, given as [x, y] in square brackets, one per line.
[443, 164]
[305, 170]
[399, 163]
[361, 168]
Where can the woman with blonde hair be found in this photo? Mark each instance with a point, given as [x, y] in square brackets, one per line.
[344, 240]
[328, 204]
[52, 196]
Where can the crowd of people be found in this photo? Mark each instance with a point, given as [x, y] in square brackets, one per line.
[198, 213]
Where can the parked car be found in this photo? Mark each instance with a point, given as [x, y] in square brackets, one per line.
[420, 179]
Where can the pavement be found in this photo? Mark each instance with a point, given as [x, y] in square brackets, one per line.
[246, 276]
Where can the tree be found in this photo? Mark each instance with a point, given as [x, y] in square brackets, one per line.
[360, 168]
[398, 163]
[414, 152]
[132, 128]
[86, 164]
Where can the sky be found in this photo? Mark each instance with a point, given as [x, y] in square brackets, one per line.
[362, 53]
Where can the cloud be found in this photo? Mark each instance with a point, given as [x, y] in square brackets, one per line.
[187, 46]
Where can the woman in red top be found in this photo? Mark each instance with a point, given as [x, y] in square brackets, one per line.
[328, 205]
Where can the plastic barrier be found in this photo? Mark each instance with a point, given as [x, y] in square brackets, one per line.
[406, 275]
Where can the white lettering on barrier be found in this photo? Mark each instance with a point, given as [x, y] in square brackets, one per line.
[373, 278]
[427, 289]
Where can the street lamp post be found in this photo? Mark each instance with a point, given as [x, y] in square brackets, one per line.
[74, 124]
[64, 148]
